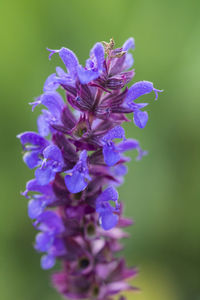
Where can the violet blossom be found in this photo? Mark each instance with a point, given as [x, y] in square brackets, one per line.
[79, 159]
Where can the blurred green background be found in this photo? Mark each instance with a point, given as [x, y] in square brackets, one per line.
[162, 191]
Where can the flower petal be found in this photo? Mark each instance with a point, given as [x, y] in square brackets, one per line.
[129, 44]
[109, 194]
[35, 208]
[33, 186]
[111, 154]
[54, 102]
[108, 220]
[43, 123]
[86, 76]
[50, 222]
[47, 262]
[115, 133]
[32, 159]
[70, 60]
[44, 175]
[98, 52]
[33, 138]
[140, 88]
[140, 118]
[129, 61]
[43, 241]
[54, 153]
[51, 83]
[129, 144]
[75, 182]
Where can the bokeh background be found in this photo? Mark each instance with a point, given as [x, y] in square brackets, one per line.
[162, 191]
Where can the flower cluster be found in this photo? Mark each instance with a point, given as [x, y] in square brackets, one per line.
[78, 157]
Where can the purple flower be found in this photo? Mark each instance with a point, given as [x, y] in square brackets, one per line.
[94, 65]
[131, 144]
[110, 152]
[137, 90]
[72, 201]
[78, 177]
[55, 104]
[71, 63]
[33, 144]
[51, 164]
[107, 213]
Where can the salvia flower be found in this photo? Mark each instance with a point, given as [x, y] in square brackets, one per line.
[79, 157]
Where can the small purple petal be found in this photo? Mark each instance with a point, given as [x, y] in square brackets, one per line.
[120, 170]
[78, 177]
[135, 106]
[50, 222]
[139, 89]
[51, 83]
[57, 248]
[47, 262]
[44, 175]
[32, 138]
[32, 159]
[129, 144]
[108, 220]
[140, 118]
[54, 102]
[53, 153]
[111, 154]
[115, 133]
[86, 76]
[75, 182]
[129, 44]
[35, 208]
[129, 61]
[108, 194]
[33, 186]
[60, 72]
[43, 241]
[70, 60]
[98, 52]
[43, 124]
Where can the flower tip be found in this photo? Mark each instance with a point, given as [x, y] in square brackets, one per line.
[47, 262]
[156, 91]
[141, 154]
[52, 52]
[34, 104]
[25, 194]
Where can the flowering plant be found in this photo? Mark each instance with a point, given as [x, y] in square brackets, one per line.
[73, 201]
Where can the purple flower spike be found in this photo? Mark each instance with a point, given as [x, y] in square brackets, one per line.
[79, 156]
[110, 152]
[78, 177]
